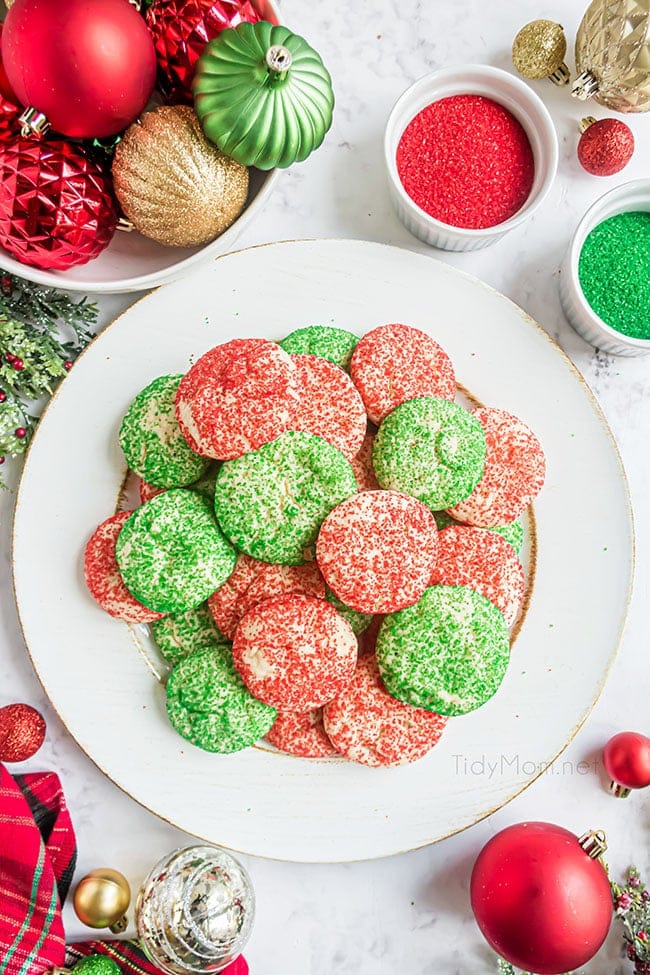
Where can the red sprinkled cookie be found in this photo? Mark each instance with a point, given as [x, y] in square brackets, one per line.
[362, 465]
[330, 407]
[103, 577]
[367, 725]
[395, 363]
[377, 551]
[515, 468]
[252, 582]
[148, 491]
[484, 561]
[301, 733]
[295, 652]
[237, 397]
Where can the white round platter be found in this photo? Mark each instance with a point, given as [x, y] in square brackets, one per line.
[260, 801]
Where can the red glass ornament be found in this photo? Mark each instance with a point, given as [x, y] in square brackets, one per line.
[9, 120]
[5, 88]
[539, 899]
[22, 732]
[56, 204]
[181, 29]
[89, 67]
[626, 757]
[606, 147]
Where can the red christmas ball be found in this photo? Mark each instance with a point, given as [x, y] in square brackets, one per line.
[22, 732]
[540, 901]
[57, 208]
[5, 88]
[626, 757]
[606, 147]
[88, 65]
[181, 29]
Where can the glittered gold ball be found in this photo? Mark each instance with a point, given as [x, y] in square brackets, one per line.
[102, 898]
[539, 49]
[173, 185]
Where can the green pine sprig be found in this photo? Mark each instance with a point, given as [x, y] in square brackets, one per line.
[42, 330]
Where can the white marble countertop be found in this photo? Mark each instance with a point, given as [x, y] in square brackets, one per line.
[408, 914]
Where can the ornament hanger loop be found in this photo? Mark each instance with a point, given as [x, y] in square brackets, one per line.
[279, 59]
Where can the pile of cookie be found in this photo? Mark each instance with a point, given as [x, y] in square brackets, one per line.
[327, 549]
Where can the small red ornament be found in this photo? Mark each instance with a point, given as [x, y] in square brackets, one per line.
[20, 432]
[605, 147]
[89, 67]
[541, 901]
[22, 732]
[2, 460]
[67, 364]
[180, 31]
[56, 204]
[3, 396]
[626, 757]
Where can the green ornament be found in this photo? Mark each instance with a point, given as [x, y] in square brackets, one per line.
[97, 965]
[263, 95]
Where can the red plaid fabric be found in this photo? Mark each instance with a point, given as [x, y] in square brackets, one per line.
[31, 930]
[132, 960]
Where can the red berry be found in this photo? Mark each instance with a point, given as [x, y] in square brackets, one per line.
[642, 935]
[2, 460]
[20, 432]
[606, 147]
[67, 364]
[10, 358]
[631, 953]
[3, 396]
[18, 365]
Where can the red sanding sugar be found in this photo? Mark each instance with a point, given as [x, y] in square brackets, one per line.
[466, 161]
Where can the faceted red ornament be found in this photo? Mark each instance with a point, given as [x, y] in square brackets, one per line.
[539, 899]
[90, 67]
[181, 29]
[9, 120]
[626, 757]
[606, 147]
[22, 732]
[56, 204]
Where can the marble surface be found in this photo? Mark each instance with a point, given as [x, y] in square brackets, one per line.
[409, 913]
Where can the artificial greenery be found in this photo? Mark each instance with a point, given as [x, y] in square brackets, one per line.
[42, 330]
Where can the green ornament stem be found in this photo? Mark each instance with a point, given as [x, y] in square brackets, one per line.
[279, 60]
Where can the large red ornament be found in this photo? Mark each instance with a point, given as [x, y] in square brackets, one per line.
[626, 757]
[5, 88]
[88, 65]
[22, 732]
[56, 204]
[539, 899]
[605, 146]
[181, 29]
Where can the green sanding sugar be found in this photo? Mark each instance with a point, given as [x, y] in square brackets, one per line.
[358, 621]
[513, 533]
[328, 342]
[179, 634]
[209, 705]
[614, 272]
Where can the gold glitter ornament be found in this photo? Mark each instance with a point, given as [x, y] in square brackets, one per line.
[613, 55]
[538, 51]
[172, 184]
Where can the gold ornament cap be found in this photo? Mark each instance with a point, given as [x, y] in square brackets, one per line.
[101, 899]
[538, 51]
[594, 843]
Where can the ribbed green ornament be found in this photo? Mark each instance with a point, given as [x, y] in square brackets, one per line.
[263, 95]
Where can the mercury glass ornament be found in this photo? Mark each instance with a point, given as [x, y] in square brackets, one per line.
[195, 911]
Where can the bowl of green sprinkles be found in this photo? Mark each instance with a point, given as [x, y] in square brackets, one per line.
[605, 279]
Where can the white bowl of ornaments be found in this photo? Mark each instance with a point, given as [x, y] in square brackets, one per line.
[123, 170]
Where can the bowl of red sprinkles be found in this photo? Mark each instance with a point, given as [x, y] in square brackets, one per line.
[471, 153]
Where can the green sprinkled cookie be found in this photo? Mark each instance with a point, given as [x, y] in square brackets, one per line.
[180, 634]
[171, 552]
[432, 449]
[448, 653]
[358, 621]
[272, 501]
[209, 705]
[513, 533]
[328, 342]
[152, 441]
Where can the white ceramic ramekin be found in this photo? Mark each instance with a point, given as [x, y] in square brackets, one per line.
[501, 87]
[630, 196]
